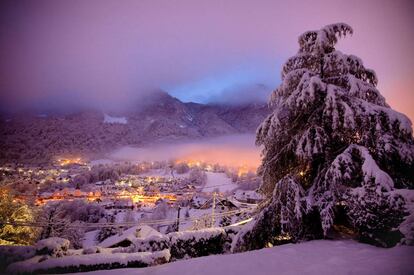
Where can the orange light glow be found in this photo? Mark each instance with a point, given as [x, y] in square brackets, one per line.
[68, 161]
[223, 156]
[244, 170]
[93, 196]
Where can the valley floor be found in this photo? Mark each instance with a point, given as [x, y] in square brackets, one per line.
[314, 257]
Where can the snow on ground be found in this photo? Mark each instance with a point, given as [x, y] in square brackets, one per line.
[218, 181]
[90, 239]
[314, 257]
[113, 119]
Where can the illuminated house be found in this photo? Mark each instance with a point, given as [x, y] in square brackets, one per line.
[248, 196]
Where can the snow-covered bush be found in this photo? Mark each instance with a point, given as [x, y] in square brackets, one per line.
[332, 145]
[191, 244]
[150, 244]
[53, 252]
[186, 244]
[84, 263]
[54, 246]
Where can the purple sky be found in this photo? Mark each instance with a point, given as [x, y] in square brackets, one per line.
[110, 53]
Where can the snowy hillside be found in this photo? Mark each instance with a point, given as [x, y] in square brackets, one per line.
[218, 182]
[113, 119]
[315, 257]
[161, 118]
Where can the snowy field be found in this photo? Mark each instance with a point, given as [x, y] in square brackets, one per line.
[218, 181]
[314, 257]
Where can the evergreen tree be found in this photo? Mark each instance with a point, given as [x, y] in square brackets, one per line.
[334, 151]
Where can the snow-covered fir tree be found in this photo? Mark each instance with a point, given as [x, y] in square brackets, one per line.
[334, 151]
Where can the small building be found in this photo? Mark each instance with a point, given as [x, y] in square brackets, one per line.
[248, 196]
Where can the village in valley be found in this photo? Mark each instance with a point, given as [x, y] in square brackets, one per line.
[162, 196]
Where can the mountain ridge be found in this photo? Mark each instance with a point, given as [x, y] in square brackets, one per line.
[25, 138]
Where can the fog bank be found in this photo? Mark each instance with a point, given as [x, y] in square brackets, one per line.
[234, 150]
